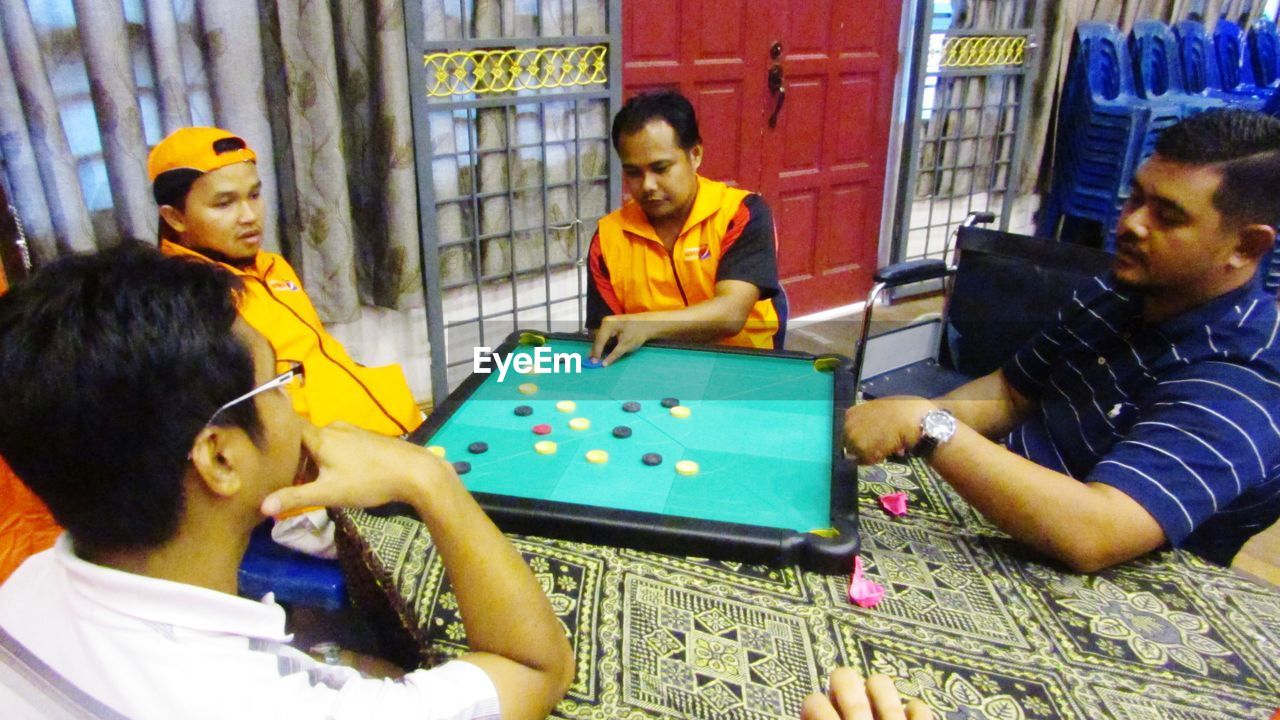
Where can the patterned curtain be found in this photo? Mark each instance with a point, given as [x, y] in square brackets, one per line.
[319, 89]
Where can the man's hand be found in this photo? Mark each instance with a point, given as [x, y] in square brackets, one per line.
[631, 332]
[513, 633]
[849, 698]
[708, 321]
[888, 426]
[358, 468]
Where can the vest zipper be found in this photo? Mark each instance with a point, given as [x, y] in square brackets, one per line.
[676, 274]
[320, 344]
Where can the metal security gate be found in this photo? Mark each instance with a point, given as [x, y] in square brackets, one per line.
[511, 101]
[969, 87]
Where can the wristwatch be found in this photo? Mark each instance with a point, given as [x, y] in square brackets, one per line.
[936, 428]
[329, 653]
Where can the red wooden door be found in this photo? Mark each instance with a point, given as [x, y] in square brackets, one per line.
[707, 49]
[822, 166]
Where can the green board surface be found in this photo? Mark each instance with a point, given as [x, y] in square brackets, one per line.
[760, 431]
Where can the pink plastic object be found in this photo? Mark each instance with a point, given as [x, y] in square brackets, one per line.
[863, 592]
[895, 503]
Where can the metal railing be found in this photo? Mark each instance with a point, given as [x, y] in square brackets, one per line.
[511, 107]
[969, 87]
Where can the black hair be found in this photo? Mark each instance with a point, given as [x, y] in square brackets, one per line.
[1245, 147]
[110, 364]
[666, 105]
[171, 188]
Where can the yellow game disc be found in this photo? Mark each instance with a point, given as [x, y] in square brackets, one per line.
[597, 456]
[681, 411]
[566, 406]
[528, 389]
[687, 467]
[579, 424]
[545, 447]
[436, 450]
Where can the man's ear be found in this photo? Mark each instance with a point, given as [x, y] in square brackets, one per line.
[695, 156]
[219, 456]
[174, 217]
[1256, 243]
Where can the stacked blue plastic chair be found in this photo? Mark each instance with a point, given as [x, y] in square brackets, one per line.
[1200, 73]
[1264, 53]
[1119, 97]
[1157, 72]
[1271, 273]
[1101, 126]
[1195, 53]
[1235, 72]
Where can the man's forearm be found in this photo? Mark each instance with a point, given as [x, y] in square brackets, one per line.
[707, 321]
[988, 404]
[1086, 526]
[504, 610]
[517, 640]
[713, 319]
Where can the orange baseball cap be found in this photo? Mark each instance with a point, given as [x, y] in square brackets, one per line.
[203, 149]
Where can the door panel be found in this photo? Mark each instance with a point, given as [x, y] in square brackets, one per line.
[821, 167]
[865, 24]
[799, 212]
[651, 34]
[808, 24]
[711, 64]
[855, 102]
[721, 30]
[850, 205]
[802, 151]
[831, 143]
[721, 105]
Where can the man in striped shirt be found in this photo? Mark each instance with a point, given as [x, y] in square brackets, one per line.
[1148, 415]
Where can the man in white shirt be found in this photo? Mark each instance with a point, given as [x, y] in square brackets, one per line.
[153, 423]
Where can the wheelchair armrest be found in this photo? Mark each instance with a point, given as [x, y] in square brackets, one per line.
[911, 271]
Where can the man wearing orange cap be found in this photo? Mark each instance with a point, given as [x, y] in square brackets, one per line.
[205, 181]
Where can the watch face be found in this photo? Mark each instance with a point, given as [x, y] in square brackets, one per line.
[939, 425]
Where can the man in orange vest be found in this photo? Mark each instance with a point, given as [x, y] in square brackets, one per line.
[686, 258]
[205, 181]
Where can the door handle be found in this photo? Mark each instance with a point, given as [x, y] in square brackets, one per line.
[779, 90]
[777, 84]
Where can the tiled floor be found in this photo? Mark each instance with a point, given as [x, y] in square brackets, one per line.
[1260, 557]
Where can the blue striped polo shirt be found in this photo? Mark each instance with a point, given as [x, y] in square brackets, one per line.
[1183, 416]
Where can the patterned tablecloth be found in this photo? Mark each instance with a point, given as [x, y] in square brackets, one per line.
[970, 622]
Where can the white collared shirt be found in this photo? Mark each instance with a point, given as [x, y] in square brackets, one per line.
[152, 648]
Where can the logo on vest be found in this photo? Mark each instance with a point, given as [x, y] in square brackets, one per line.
[284, 285]
[702, 252]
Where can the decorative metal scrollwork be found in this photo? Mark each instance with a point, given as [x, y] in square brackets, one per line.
[970, 51]
[485, 72]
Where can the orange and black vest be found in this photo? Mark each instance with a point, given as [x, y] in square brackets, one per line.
[632, 272]
[336, 387]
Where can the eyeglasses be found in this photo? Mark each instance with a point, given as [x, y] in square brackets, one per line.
[295, 372]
